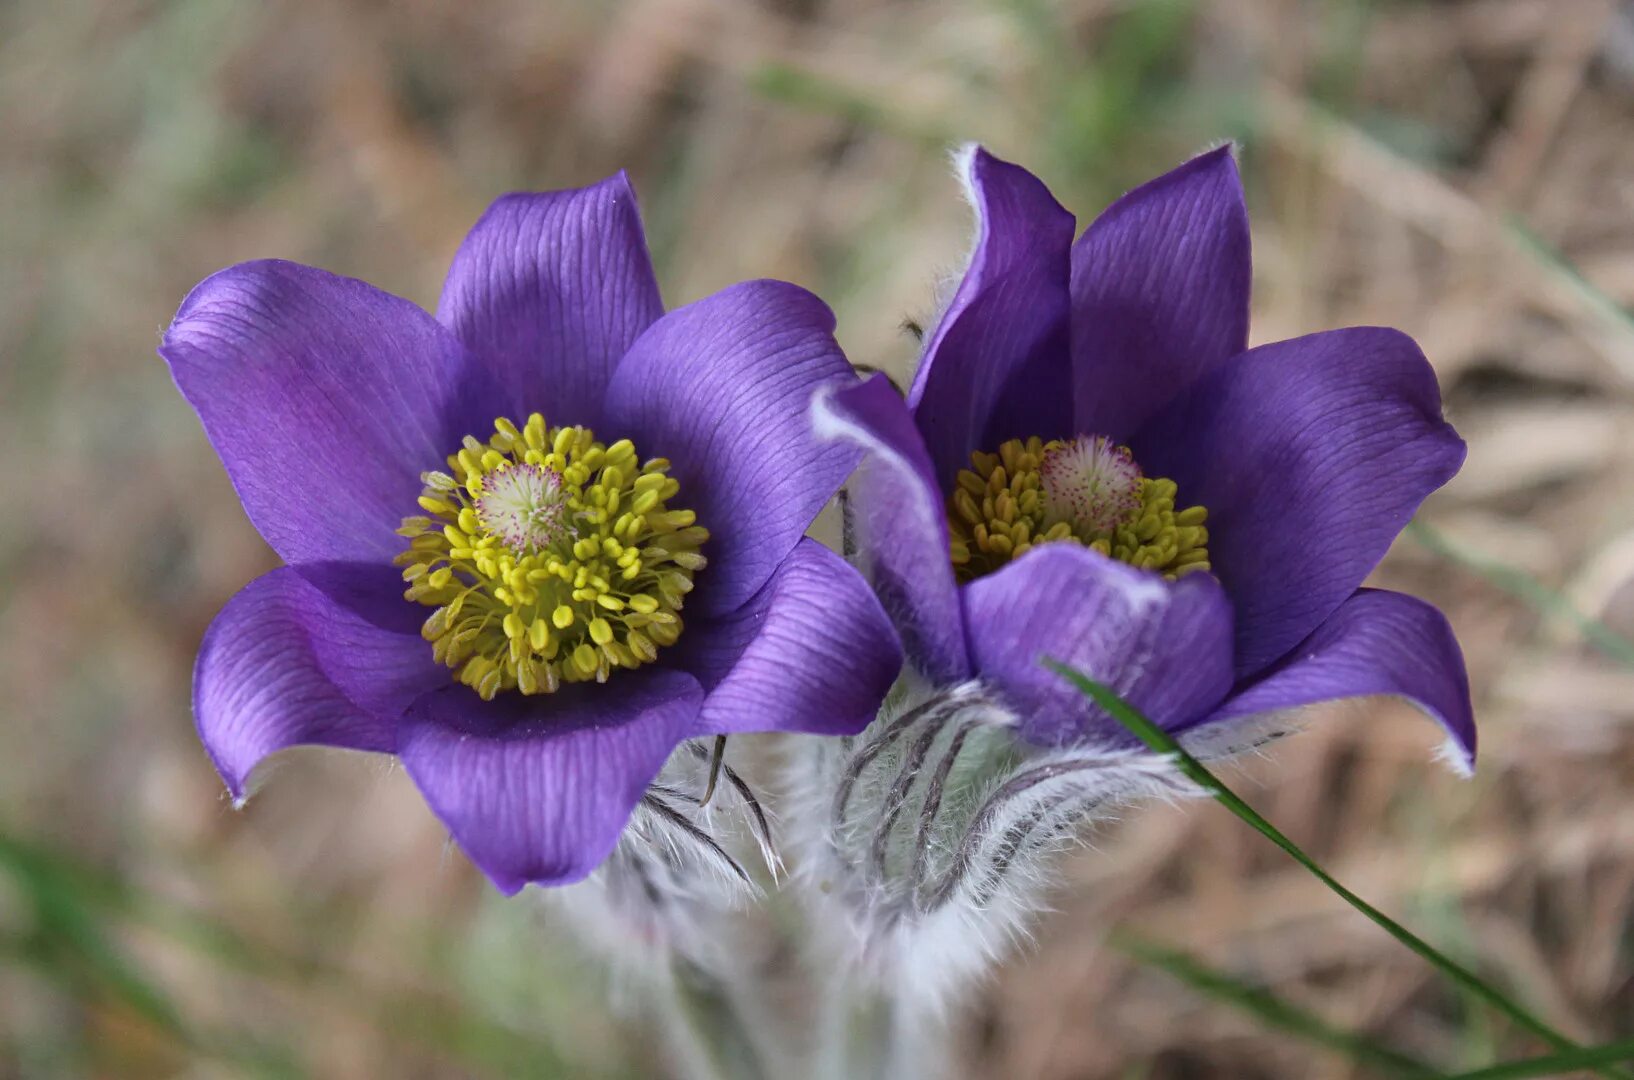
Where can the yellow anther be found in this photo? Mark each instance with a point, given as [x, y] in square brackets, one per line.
[434, 505]
[641, 645]
[1011, 501]
[530, 551]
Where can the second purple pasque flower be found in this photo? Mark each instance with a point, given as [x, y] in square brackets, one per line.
[1092, 465]
[491, 521]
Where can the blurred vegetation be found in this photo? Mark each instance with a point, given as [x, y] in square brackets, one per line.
[1459, 168]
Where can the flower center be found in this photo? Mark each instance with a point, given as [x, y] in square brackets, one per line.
[549, 557]
[524, 506]
[1088, 490]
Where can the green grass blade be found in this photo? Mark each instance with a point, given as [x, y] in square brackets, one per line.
[69, 939]
[1594, 1057]
[1267, 1008]
[1160, 742]
[83, 899]
[796, 86]
[1550, 258]
[1537, 595]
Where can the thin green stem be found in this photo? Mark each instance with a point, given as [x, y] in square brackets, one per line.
[1160, 742]
[1593, 1057]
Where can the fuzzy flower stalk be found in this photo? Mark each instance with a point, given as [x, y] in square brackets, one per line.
[536, 546]
[1092, 466]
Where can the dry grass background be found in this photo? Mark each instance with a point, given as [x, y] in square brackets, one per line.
[1463, 169]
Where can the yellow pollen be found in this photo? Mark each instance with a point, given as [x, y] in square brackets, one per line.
[549, 558]
[1085, 490]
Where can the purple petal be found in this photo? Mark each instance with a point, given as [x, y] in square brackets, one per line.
[1159, 293]
[722, 387]
[1164, 647]
[901, 524]
[1311, 455]
[995, 367]
[537, 790]
[282, 665]
[325, 398]
[552, 290]
[1376, 643]
[812, 651]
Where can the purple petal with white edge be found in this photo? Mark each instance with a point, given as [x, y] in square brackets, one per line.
[812, 651]
[1311, 455]
[722, 388]
[1378, 642]
[552, 290]
[996, 364]
[898, 513]
[325, 399]
[283, 665]
[1164, 647]
[1160, 285]
[537, 789]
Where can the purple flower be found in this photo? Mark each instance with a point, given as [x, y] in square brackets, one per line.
[545, 558]
[1125, 486]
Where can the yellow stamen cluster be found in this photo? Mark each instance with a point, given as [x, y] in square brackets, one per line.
[549, 557]
[1000, 510]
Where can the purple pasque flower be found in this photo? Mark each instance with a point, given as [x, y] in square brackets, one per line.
[1213, 508]
[536, 674]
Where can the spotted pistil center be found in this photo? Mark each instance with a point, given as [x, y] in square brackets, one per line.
[1087, 490]
[549, 558]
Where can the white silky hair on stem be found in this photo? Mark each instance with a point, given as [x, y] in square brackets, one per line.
[1238, 738]
[678, 870]
[929, 841]
[927, 846]
[671, 914]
